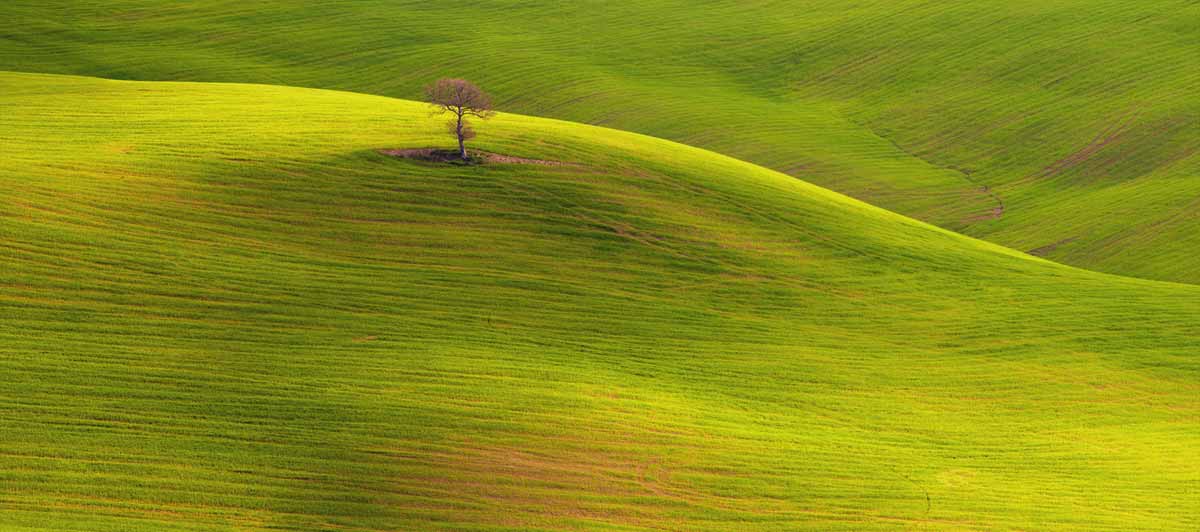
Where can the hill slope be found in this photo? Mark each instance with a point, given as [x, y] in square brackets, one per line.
[1067, 128]
[224, 309]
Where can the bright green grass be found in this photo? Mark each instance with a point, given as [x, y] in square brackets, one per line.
[221, 309]
[1080, 115]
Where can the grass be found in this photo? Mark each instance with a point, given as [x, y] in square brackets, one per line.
[1078, 116]
[223, 309]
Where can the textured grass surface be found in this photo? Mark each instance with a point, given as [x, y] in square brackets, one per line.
[222, 309]
[1079, 116]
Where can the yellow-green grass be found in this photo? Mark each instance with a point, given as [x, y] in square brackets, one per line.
[1080, 116]
[222, 309]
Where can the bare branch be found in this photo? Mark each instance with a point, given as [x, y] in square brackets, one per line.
[462, 98]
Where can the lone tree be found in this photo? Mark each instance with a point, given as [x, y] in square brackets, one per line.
[463, 99]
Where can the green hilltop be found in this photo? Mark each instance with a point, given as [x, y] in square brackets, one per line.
[1064, 128]
[224, 309]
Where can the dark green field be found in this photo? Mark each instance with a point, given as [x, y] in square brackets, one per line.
[223, 308]
[1080, 117]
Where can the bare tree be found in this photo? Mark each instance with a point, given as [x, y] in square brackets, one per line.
[463, 99]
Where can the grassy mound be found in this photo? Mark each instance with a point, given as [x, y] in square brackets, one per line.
[1066, 127]
[224, 308]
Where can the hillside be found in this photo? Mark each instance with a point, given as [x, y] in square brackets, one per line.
[1065, 128]
[223, 309]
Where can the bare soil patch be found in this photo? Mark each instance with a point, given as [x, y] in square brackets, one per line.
[436, 155]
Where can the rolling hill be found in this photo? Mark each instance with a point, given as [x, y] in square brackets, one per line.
[1064, 128]
[224, 309]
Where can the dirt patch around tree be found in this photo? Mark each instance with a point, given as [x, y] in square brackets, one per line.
[436, 155]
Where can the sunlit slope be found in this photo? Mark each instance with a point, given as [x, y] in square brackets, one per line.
[221, 308]
[1079, 116]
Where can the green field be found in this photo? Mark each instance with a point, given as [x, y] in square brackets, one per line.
[1079, 116]
[223, 309]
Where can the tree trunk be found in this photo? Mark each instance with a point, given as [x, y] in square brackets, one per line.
[462, 148]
